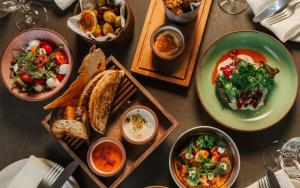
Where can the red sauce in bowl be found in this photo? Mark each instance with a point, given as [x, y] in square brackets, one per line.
[107, 157]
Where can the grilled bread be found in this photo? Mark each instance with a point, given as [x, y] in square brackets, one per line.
[101, 99]
[92, 64]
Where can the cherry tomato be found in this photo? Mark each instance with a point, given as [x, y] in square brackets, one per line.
[40, 81]
[60, 77]
[47, 48]
[60, 58]
[26, 78]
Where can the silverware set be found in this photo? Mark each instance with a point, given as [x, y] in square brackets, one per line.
[278, 11]
[57, 176]
[51, 176]
[284, 14]
[267, 179]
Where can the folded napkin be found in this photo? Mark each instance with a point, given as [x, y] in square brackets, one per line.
[64, 4]
[288, 29]
[31, 174]
[282, 177]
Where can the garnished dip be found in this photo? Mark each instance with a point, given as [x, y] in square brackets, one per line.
[41, 67]
[243, 79]
[168, 42]
[107, 157]
[205, 161]
[137, 127]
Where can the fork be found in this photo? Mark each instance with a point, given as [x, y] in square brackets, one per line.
[287, 12]
[51, 176]
[263, 181]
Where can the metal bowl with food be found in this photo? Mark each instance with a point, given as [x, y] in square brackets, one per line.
[181, 11]
[167, 42]
[204, 156]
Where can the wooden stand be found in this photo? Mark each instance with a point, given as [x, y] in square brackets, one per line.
[180, 70]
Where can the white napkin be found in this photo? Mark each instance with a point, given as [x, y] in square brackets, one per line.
[288, 29]
[64, 4]
[31, 174]
[282, 177]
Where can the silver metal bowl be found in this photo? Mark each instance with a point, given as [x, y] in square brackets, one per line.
[185, 137]
[183, 18]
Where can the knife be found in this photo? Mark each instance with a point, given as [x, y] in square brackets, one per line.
[64, 176]
[272, 9]
[272, 179]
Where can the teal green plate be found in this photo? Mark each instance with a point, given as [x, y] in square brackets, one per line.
[280, 100]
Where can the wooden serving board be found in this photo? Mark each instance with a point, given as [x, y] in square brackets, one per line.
[180, 70]
[129, 93]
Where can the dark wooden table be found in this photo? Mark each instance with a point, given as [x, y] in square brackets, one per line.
[21, 133]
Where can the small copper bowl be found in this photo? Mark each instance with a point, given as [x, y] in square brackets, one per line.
[145, 111]
[92, 165]
[160, 29]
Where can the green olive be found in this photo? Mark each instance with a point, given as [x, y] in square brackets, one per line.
[118, 30]
[109, 17]
[101, 3]
[117, 22]
[107, 28]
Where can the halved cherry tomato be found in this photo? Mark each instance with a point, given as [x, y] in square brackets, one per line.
[47, 48]
[40, 81]
[60, 58]
[26, 78]
[60, 77]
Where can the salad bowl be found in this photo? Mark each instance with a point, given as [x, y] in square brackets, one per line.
[16, 47]
[280, 99]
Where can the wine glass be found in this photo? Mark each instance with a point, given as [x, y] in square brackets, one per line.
[27, 15]
[233, 6]
[284, 155]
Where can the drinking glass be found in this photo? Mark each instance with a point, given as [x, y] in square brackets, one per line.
[290, 158]
[27, 15]
[233, 6]
[285, 155]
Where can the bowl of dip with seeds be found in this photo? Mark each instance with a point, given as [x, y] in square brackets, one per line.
[139, 125]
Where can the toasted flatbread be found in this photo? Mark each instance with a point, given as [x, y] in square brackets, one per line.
[85, 95]
[92, 64]
[101, 99]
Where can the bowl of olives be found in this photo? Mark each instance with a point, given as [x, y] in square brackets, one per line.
[106, 24]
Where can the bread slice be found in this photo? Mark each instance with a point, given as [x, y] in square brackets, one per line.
[70, 121]
[92, 64]
[72, 128]
[101, 99]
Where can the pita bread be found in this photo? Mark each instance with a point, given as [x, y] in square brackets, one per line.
[92, 64]
[85, 95]
[101, 99]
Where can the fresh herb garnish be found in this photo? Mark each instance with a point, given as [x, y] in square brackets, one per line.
[246, 78]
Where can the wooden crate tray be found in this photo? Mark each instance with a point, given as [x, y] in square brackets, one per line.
[130, 92]
[180, 70]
